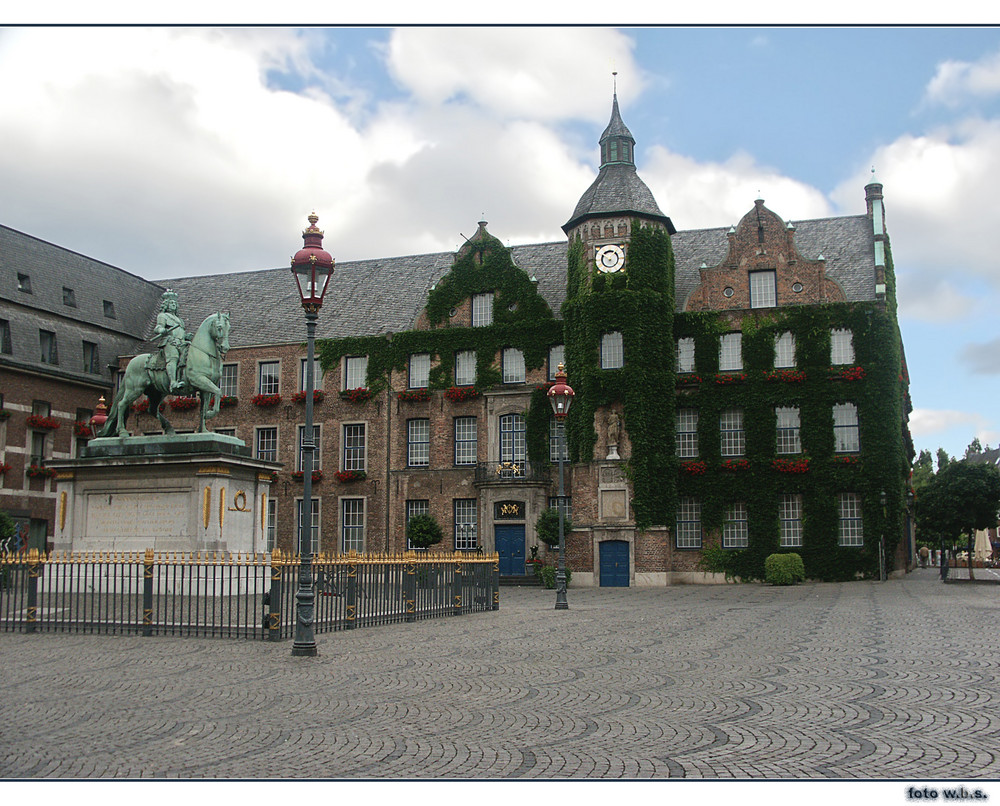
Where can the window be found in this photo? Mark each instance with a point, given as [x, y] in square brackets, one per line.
[314, 531]
[841, 346]
[352, 524]
[554, 442]
[788, 430]
[465, 440]
[482, 310]
[271, 527]
[784, 350]
[762, 289]
[356, 372]
[513, 365]
[413, 508]
[420, 370]
[49, 351]
[734, 526]
[300, 458]
[354, 446]
[69, 297]
[225, 432]
[418, 443]
[24, 283]
[731, 351]
[790, 518]
[512, 442]
[6, 346]
[851, 529]
[733, 438]
[109, 309]
[267, 444]
[612, 352]
[845, 428]
[91, 358]
[38, 440]
[465, 524]
[687, 433]
[268, 377]
[229, 381]
[465, 368]
[688, 523]
[566, 506]
[557, 356]
[685, 355]
[41, 408]
[317, 374]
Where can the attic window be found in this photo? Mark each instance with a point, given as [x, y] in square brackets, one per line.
[24, 283]
[69, 297]
[109, 309]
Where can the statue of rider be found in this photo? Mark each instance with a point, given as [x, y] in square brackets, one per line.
[171, 337]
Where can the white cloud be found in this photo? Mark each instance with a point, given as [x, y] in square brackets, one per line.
[955, 81]
[931, 298]
[925, 422]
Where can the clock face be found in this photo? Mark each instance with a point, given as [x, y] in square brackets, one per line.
[610, 258]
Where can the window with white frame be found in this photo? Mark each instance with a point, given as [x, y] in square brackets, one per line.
[466, 532]
[482, 310]
[39, 447]
[554, 442]
[356, 372]
[226, 432]
[557, 356]
[730, 351]
[465, 440]
[415, 507]
[512, 440]
[851, 531]
[687, 433]
[229, 380]
[789, 440]
[354, 446]
[420, 370]
[841, 346]
[685, 354]
[267, 444]
[268, 377]
[513, 365]
[688, 532]
[732, 435]
[612, 351]
[317, 454]
[352, 524]
[846, 437]
[271, 524]
[465, 368]
[566, 504]
[734, 526]
[418, 442]
[317, 374]
[784, 350]
[790, 519]
[314, 531]
[762, 289]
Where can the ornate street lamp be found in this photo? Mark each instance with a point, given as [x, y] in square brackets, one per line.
[561, 398]
[312, 268]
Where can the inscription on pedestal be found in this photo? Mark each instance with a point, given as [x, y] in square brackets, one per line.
[118, 517]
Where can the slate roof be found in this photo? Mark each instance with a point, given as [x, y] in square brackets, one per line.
[617, 189]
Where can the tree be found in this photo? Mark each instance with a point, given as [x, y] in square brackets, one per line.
[547, 527]
[423, 531]
[942, 458]
[974, 449]
[961, 498]
[923, 471]
[6, 531]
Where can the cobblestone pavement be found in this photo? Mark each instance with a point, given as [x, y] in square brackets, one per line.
[899, 680]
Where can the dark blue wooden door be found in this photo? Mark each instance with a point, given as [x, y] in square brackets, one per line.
[510, 547]
[614, 564]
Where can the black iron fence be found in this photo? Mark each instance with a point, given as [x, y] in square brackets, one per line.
[237, 596]
[512, 473]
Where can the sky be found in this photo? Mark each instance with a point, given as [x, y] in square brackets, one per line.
[184, 151]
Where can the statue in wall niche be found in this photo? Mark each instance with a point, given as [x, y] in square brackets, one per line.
[184, 365]
[614, 434]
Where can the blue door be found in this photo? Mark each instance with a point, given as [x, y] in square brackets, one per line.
[510, 546]
[614, 564]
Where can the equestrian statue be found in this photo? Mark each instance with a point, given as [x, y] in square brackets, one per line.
[184, 365]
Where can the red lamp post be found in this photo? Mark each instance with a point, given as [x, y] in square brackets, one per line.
[561, 398]
[312, 267]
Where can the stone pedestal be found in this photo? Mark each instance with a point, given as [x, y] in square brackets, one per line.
[184, 493]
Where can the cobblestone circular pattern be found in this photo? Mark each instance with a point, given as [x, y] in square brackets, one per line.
[859, 680]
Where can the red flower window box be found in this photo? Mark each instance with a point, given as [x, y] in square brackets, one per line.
[228, 400]
[414, 396]
[725, 379]
[696, 468]
[317, 475]
[183, 403]
[359, 395]
[35, 471]
[4, 467]
[266, 401]
[38, 421]
[300, 397]
[791, 465]
[350, 475]
[141, 405]
[82, 429]
[848, 374]
[688, 379]
[459, 394]
[784, 376]
[735, 465]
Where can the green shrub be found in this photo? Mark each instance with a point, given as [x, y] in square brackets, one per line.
[547, 527]
[784, 569]
[547, 574]
[717, 560]
[423, 531]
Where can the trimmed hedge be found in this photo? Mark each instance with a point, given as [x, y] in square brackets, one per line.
[784, 569]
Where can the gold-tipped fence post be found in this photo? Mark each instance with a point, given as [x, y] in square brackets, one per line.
[147, 593]
[34, 571]
[273, 623]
